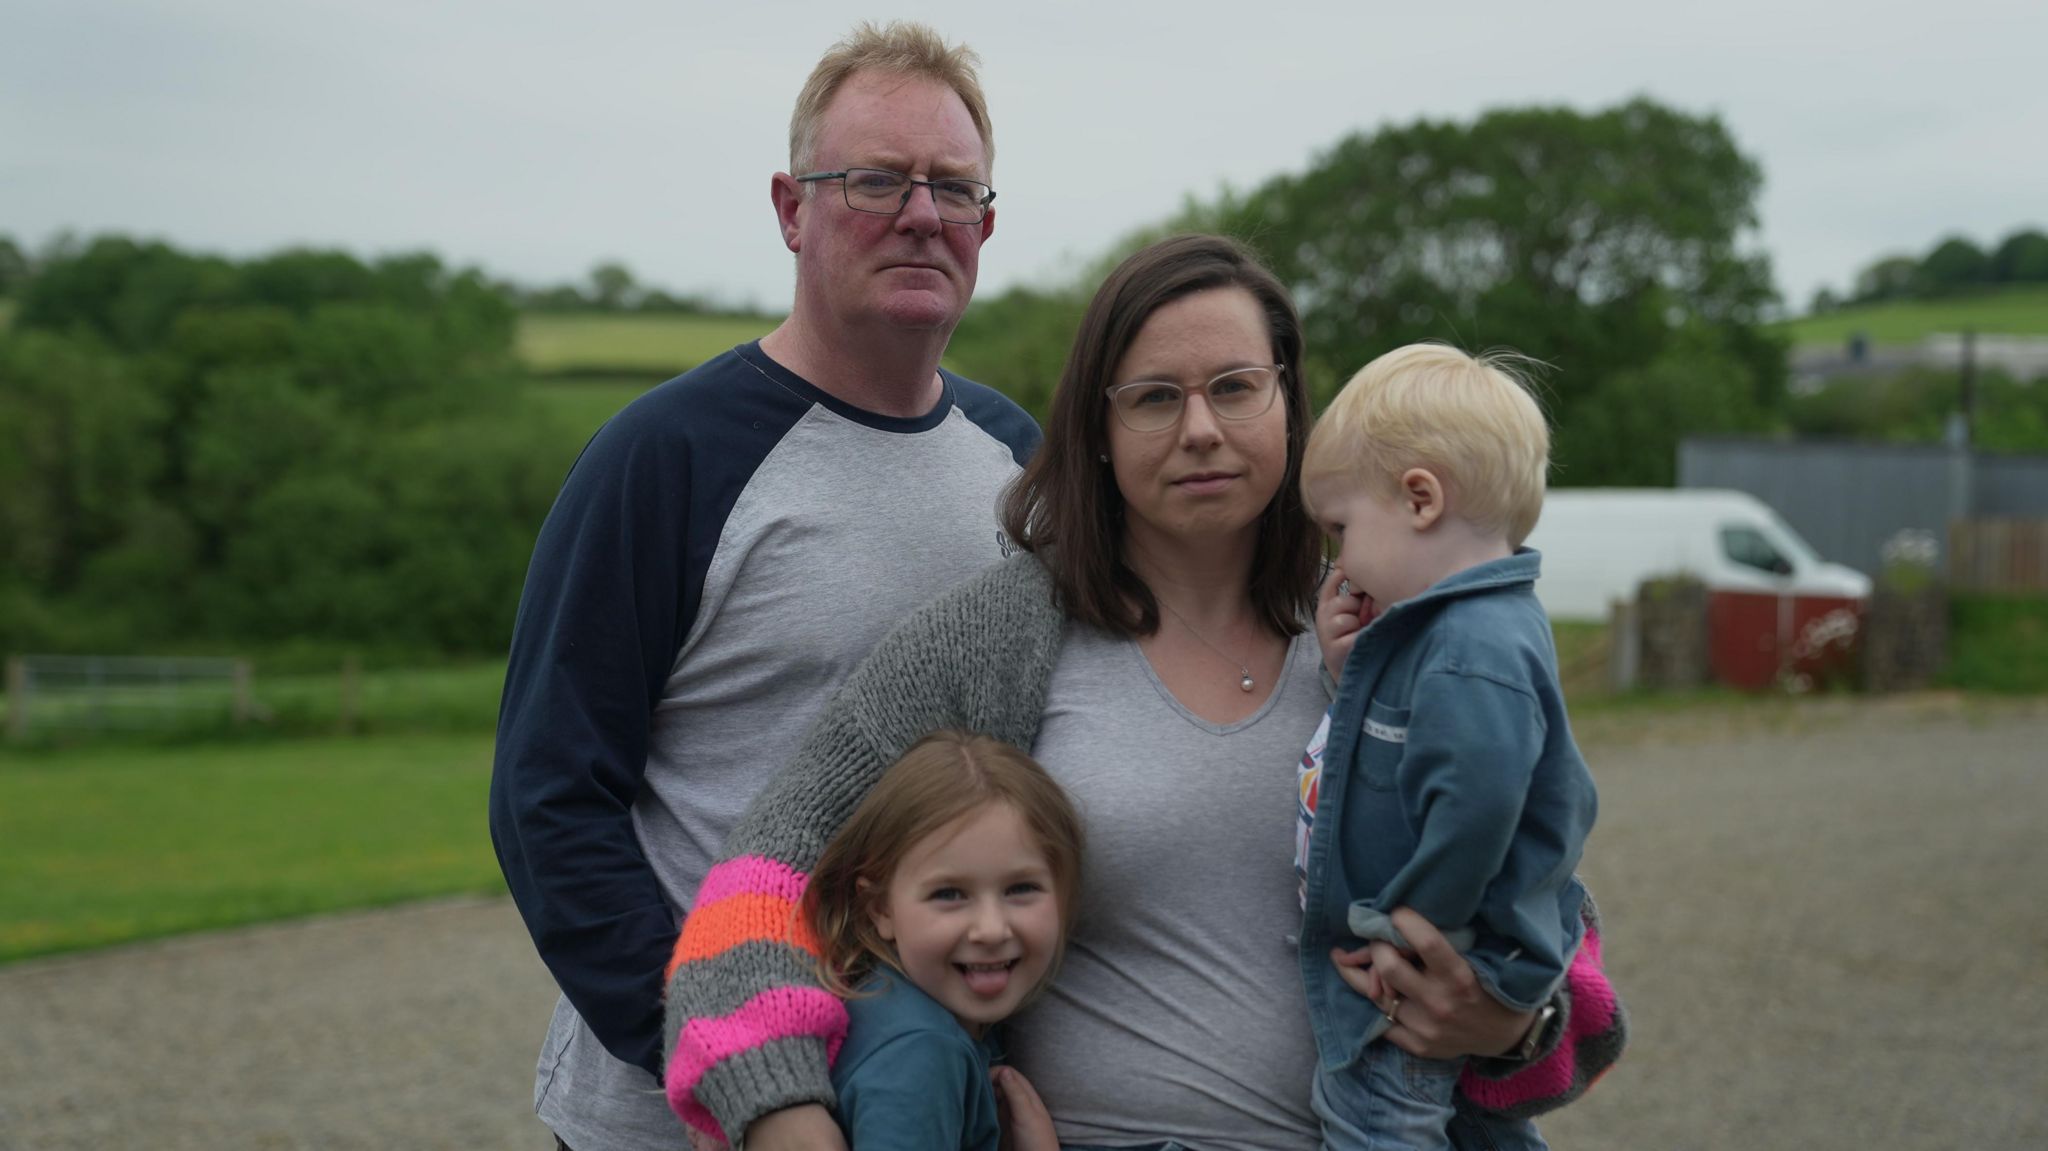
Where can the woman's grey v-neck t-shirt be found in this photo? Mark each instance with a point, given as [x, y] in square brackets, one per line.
[1178, 1013]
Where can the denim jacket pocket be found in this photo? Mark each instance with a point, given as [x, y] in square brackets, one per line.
[1382, 744]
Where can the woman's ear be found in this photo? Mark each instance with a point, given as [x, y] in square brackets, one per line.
[875, 905]
[1422, 497]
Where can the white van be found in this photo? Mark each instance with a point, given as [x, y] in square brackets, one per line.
[1600, 544]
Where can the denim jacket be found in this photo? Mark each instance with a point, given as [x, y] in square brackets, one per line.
[1451, 785]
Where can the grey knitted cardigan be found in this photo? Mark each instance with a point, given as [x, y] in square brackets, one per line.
[748, 1028]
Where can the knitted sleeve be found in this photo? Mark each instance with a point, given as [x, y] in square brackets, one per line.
[1590, 1034]
[749, 1030]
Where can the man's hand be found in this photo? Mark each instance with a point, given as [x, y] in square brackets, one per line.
[1340, 616]
[1027, 1125]
[1443, 1011]
[805, 1127]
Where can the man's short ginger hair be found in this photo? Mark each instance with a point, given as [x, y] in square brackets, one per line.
[900, 47]
[1470, 420]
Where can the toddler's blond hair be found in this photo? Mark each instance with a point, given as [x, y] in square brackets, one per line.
[1469, 419]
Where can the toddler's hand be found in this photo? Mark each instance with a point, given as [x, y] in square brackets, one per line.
[1341, 613]
[1356, 970]
[1027, 1125]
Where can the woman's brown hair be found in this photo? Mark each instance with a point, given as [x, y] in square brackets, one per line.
[943, 776]
[1066, 508]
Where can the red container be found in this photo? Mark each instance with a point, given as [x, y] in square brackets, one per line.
[1761, 639]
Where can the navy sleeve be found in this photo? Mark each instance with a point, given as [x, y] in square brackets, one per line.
[999, 416]
[609, 598]
[591, 647]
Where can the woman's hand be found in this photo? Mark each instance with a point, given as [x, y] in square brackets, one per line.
[1027, 1125]
[1439, 1009]
[1341, 614]
[805, 1127]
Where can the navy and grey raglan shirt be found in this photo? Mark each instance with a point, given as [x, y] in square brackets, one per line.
[722, 555]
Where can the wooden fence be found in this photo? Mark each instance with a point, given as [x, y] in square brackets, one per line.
[1998, 555]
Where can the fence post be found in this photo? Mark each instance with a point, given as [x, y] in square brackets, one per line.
[17, 698]
[1624, 645]
[244, 703]
[351, 689]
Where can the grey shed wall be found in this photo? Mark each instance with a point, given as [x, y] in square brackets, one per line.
[1847, 499]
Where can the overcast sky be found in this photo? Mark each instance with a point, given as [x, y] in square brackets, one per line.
[538, 139]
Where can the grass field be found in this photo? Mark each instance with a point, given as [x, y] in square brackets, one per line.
[659, 345]
[461, 698]
[1998, 644]
[583, 403]
[2016, 311]
[117, 840]
[109, 844]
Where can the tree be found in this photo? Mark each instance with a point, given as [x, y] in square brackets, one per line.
[1954, 265]
[79, 452]
[611, 286]
[1890, 278]
[192, 447]
[2022, 258]
[1018, 342]
[1605, 244]
[14, 269]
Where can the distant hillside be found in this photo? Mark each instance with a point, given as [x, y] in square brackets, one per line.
[2012, 311]
[651, 346]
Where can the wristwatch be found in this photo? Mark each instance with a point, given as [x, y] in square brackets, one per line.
[1533, 1041]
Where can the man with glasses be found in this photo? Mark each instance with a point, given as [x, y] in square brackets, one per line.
[728, 548]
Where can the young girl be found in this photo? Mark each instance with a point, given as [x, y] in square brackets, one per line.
[940, 909]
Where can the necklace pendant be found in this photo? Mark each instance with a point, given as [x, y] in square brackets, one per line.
[1246, 682]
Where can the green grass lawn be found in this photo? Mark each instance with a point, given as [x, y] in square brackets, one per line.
[2015, 311]
[583, 404]
[659, 345]
[109, 844]
[1998, 644]
[460, 698]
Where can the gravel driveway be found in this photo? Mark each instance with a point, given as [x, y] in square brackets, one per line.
[1829, 921]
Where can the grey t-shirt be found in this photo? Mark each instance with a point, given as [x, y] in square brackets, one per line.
[1179, 1012]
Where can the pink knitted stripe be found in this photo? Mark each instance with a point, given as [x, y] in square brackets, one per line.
[752, 875]
[780, 1013]
[1552, 1077]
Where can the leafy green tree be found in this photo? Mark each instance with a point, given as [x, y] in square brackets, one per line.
[1890, 278]
[1954, 265]
[128, 292]
[1915, 406]
[1018, 343]
[14, 269]
[79, 451]
[611, 286]
[2022, 258]
[1607, 244]
[194, 448]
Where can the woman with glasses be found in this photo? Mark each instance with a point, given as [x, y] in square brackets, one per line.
[1155, 650]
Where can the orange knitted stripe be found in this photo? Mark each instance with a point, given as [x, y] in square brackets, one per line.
[738, 919]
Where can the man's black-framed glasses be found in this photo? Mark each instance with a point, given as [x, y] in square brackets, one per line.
[1156, 405]
[885, 193]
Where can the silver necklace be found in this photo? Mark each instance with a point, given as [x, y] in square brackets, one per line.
[1246, 683]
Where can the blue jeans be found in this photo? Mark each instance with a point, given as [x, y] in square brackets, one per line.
[1390, 1100]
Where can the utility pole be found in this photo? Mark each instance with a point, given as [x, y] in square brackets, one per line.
[1969, 379]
